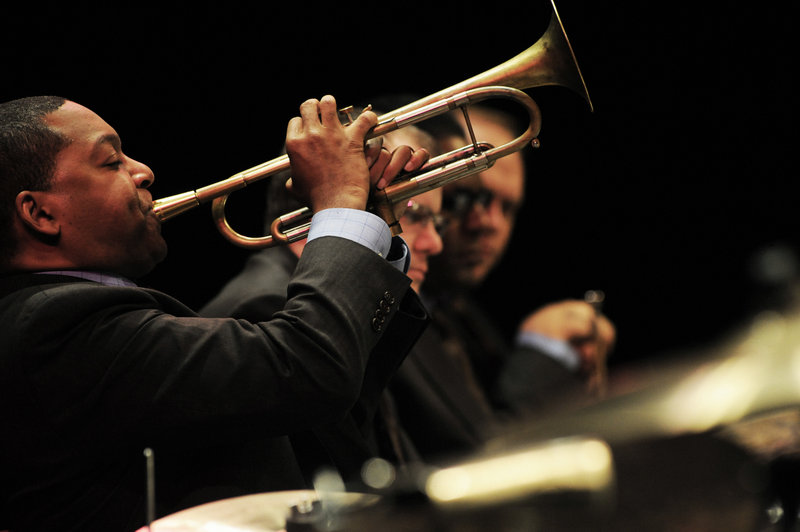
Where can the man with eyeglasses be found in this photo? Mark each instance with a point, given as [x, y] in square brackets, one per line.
[572, 335]
[422, 225]
[463, 380]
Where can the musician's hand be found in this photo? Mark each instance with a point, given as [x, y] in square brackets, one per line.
[329, 165]
[578, 323]
[388, 165]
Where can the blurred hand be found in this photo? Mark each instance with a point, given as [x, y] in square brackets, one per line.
[577, 323]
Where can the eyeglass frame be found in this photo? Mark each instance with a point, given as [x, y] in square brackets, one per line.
[418, 214]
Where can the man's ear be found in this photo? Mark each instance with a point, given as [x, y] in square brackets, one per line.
[35, 214]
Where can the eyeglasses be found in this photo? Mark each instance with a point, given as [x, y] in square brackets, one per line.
[460, 201]
[418, 214]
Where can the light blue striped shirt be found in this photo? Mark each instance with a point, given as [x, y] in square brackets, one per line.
[359, 226]
[559, 350]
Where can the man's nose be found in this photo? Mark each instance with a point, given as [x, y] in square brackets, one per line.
[141, 173]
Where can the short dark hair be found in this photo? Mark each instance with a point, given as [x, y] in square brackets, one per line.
[28, 150]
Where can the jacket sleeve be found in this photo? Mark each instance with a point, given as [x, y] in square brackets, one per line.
[153, 365]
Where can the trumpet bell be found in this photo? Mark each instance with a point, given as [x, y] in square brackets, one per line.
[550, 61]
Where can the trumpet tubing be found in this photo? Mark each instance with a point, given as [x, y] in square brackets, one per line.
[549, 61]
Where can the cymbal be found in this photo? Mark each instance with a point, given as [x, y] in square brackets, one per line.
[680, 445]
[261, 512]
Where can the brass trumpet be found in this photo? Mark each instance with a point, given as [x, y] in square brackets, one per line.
[549, 61]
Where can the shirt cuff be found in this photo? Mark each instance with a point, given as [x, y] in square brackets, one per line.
[363, 227]
[558, 350]
[398, 256]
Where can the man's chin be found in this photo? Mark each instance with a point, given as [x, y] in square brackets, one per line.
[472, 271]
[148, 261]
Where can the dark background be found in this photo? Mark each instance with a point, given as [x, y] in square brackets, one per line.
[662, 197]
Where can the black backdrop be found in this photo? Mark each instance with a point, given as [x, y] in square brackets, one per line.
[662, 197]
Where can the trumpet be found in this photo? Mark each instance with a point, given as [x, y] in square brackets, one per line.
[549, 61]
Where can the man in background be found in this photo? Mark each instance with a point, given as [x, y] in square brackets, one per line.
[464, 380]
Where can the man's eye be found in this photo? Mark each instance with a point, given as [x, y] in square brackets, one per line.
[114, 164]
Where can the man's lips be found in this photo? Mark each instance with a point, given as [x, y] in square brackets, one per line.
[475, 254]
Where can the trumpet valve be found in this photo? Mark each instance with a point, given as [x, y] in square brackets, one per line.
[345, 114]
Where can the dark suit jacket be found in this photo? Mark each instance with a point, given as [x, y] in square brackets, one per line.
[463, 383]
[443, 403]
[532, 383]
[91, 375]
[259, 291]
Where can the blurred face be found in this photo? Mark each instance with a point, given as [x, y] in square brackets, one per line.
[420, 224]
[100, 199]
[422, 216]
[483, 212]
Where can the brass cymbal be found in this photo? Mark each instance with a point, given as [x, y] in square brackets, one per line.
[261, 512]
